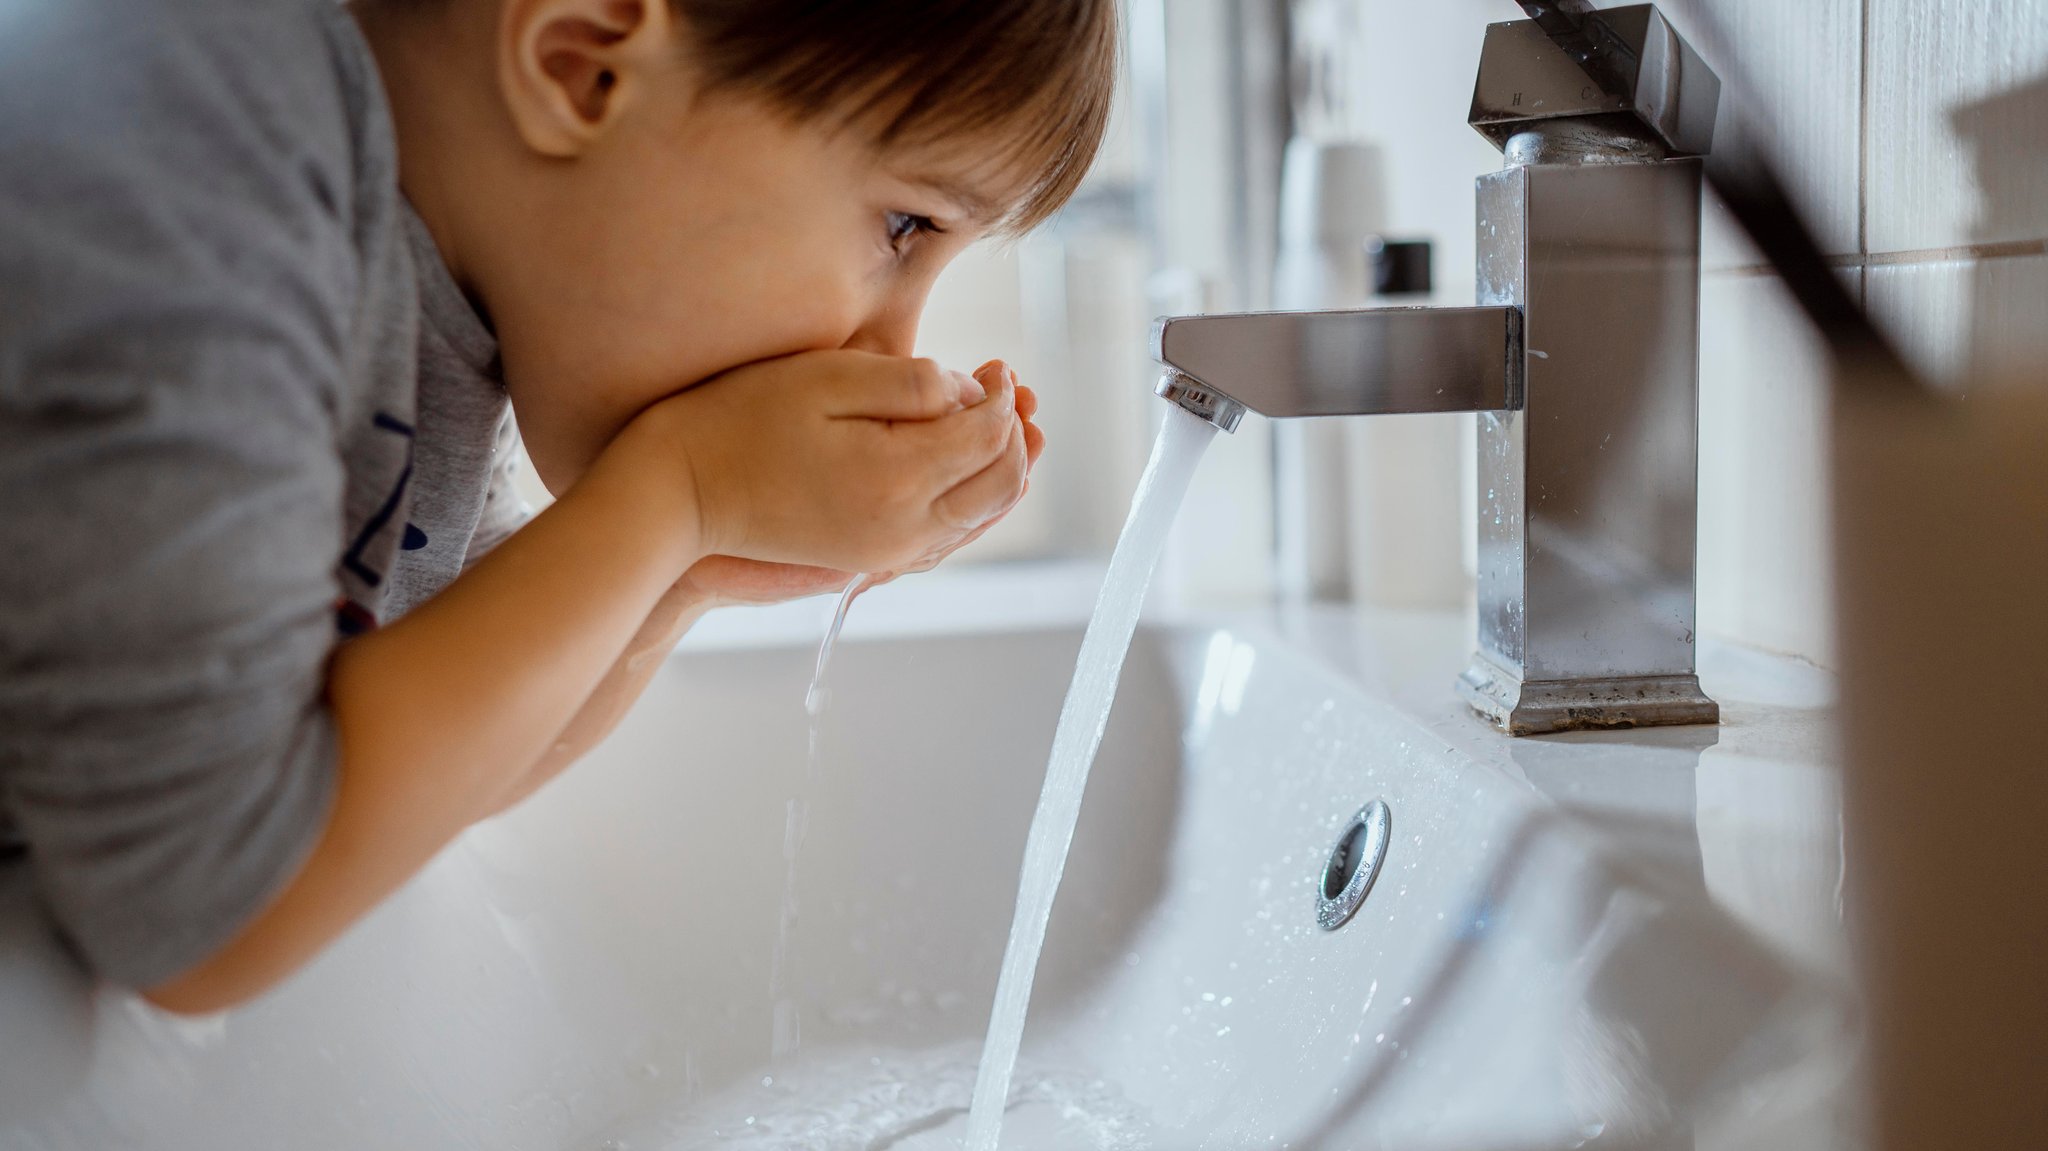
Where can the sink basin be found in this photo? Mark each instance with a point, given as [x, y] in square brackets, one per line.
[594, 969]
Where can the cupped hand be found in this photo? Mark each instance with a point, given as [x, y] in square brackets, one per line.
[1034, 447]
[724, 581]
[728, 579]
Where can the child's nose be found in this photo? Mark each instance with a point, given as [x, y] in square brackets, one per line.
[890, 330]
[887, 340]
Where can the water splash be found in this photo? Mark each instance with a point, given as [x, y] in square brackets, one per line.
[1083, 717]
[879, 1099]
[787, 1033]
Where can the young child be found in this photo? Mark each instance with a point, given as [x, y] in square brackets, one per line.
[272, 630]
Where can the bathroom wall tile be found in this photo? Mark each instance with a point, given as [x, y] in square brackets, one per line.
[1958, 103]
[1804, 62]
[1926, 310]
[1764, 530]
[1968, 323]
[1763, 534]
[1724, 246]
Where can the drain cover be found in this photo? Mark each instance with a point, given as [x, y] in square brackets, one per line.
[1354, 862]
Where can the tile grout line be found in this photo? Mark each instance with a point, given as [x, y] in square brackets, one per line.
[1989, 250]
[1981, 250]
[1863, 152]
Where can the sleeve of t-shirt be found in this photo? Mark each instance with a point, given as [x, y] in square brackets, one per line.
[505, 510]
[175, 299]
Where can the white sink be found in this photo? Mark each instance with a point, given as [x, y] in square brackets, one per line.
[594, 969]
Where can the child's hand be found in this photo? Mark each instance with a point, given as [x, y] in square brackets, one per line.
[729, 580]
[842, 460]
[1034, 446]
[725, 581]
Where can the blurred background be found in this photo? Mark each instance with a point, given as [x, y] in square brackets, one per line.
[1912, 133]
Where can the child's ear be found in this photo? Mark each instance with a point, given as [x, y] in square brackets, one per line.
[567, 68]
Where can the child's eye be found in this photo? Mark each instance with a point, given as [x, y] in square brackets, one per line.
[903, 227]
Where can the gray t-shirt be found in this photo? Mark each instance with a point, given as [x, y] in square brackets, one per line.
[244, 412]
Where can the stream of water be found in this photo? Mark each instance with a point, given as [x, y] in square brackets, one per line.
[787, 1026]
[1083, 717]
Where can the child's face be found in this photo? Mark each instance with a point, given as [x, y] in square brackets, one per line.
[705, 232]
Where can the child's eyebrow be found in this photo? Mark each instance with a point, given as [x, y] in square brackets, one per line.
[980, 209]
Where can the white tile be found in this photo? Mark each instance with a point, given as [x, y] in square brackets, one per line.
[1968, 323]
[1925, 308]
[1958, 118]
[1804, 61]
[1763, 533]
[1723, 243]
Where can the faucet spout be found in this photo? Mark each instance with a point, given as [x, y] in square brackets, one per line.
[1582, 362]
[1199, 400]
[1374, 361]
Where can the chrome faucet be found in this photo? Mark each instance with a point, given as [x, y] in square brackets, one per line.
[1581, 361]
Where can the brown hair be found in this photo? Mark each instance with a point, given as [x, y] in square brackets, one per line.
[1038, 73]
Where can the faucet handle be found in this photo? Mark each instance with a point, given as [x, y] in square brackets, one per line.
[1526, 78]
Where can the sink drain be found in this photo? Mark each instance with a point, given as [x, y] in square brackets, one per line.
[1354, 862]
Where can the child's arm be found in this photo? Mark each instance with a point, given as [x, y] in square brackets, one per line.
[675, 614]
[718, 581]
[844, 459]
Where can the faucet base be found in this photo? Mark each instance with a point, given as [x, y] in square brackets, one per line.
[1538, 707]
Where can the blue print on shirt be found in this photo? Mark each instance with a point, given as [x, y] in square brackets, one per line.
[353, 558]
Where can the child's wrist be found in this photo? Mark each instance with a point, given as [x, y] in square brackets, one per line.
[650, 483]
